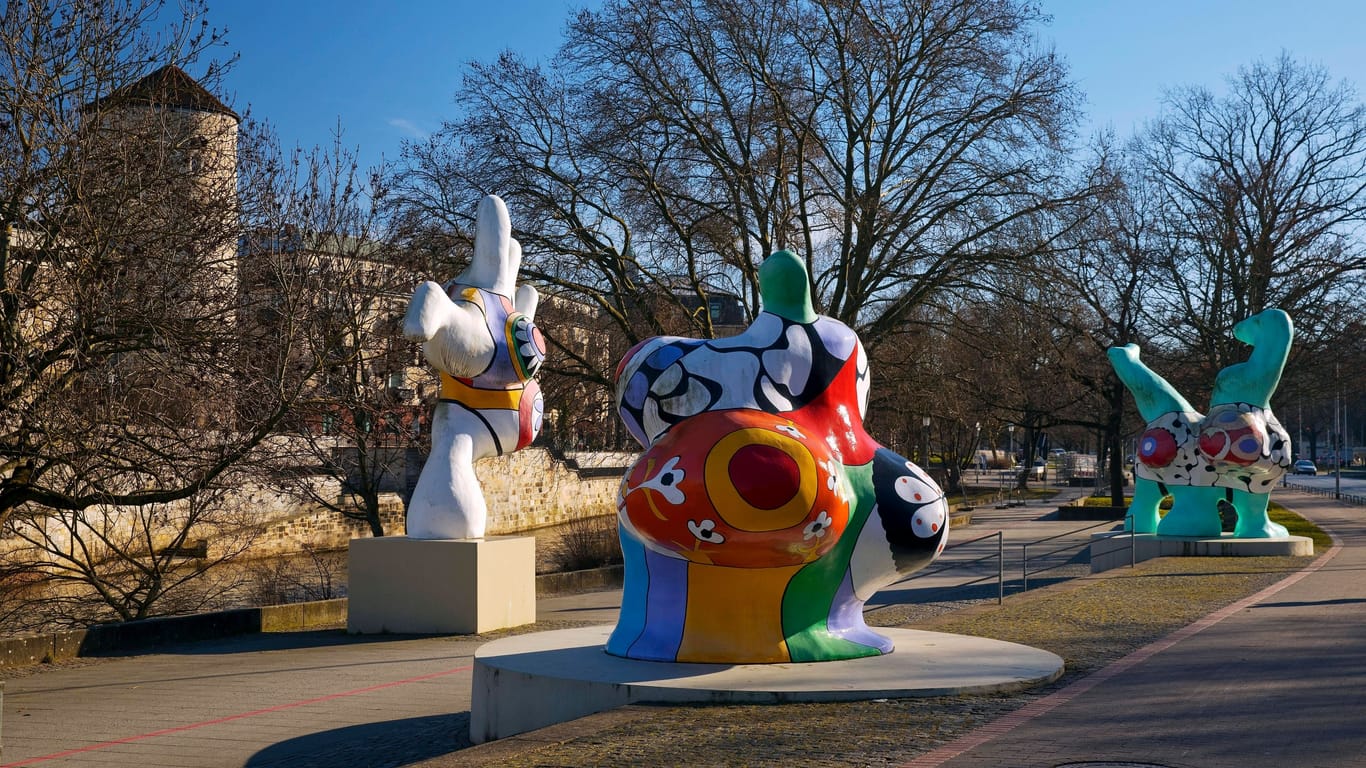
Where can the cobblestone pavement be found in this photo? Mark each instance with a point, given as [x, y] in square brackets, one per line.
[325, 699]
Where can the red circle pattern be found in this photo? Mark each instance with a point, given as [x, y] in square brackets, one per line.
[675, 511]
[764, 476]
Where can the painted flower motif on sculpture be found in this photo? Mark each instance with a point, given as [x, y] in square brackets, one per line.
[817, 528]
[666, 482]
[706, 531]
[527, 345]
[834, 479]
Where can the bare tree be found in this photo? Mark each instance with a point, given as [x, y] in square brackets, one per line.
[122, 563]
[320, 269]
[1097, 288]
[902, 147]
[1264, 198]
[1023, 357]
[145, 374]
[125, 376]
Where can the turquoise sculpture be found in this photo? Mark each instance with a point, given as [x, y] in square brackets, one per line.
[761, 515]
[1226, 460]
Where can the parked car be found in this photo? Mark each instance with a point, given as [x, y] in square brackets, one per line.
[1305, 467]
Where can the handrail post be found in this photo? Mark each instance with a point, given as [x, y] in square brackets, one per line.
[1000, 569]
[1129, 523]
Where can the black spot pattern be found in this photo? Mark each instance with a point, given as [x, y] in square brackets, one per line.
[909, 551]
[680, 354]
[1191, 467]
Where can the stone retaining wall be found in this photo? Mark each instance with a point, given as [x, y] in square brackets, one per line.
[322, 529]
[140, 635]
[530, 489]
[525, 490]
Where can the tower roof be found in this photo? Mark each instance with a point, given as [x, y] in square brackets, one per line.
[168, 86]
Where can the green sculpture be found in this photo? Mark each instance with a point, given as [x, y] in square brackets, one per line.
[1227, 460]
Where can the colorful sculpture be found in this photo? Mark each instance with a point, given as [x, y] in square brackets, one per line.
[486, 347]
[762, 516]
[1228, 459]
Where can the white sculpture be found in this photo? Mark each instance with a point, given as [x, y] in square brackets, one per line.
[486, 347]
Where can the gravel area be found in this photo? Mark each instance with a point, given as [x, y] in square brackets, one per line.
[1089, 621]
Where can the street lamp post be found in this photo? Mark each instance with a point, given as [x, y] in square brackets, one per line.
[1010, 433]
[1337, 438]
[925, 435]
[976, 446]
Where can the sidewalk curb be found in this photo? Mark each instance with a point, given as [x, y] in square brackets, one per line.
[146, 634]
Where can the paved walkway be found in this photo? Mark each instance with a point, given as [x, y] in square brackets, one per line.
[1277, 682]
[288, 700]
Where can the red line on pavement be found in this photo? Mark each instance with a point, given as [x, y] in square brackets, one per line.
[230, 718]
[1007, 723]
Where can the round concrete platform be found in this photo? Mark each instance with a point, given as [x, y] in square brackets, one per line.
[530, 681]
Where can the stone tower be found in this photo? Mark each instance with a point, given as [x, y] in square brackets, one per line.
[167, 149]
[157, 187]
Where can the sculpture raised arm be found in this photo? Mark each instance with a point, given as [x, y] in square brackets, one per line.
[1269, 334]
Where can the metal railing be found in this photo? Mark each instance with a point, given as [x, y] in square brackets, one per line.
[999, 556]
[1024, 550]
[1350, 498]
[1129, 527]
[1000, 565]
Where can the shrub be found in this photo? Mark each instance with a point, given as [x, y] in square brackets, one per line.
[587, 541]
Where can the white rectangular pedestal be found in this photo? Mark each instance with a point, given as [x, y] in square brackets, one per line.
[440, 586]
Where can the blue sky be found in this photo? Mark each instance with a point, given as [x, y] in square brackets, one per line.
[387, 71]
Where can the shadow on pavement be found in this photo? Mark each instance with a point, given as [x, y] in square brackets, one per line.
[387, 744]
[1308, 603]
[264, 641]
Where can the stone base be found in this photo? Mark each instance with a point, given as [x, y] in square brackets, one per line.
[1111, 550]
[401, 585]
[526, 682]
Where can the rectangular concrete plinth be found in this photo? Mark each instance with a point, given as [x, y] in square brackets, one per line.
[441, 586]
[1111, 550]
